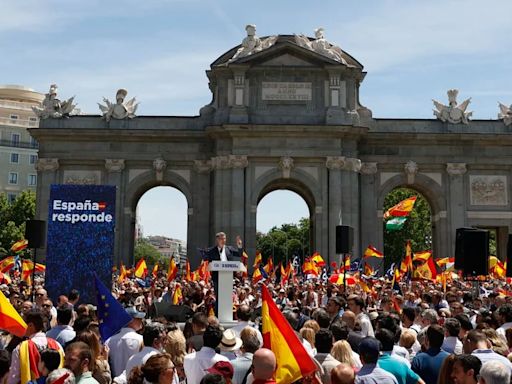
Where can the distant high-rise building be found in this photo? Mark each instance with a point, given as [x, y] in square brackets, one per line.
[18, 150]
[170, 248]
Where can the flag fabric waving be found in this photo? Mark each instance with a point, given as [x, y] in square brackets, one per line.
[422, 256]
[7, 264]
[309, 268]
[154, 272]
[318, 259]
[122, 274]
[395, 224]
[257, 260]
[141, 269]
[188, 275]
[10, 319]
[19, 246]
[112, 316]
[402, 209]
[427, 270]
[259, 274]
[172, 272]
[406, 264]
[177, 296]
[293, 362]
[371, 251]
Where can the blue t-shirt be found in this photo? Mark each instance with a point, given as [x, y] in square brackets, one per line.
[403, 374]
[428, 364]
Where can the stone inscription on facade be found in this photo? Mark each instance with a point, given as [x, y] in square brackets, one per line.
[285, 91]
[488, 190]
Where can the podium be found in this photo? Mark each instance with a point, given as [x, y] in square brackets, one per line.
[224, 292]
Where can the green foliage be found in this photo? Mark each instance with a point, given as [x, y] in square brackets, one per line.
[285, 242]
[143, 249]
[13, 217]
[417, 228]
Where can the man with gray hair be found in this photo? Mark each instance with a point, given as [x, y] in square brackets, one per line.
[494, 372]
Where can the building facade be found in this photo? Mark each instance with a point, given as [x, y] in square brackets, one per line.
[18, 149]
[286, 114]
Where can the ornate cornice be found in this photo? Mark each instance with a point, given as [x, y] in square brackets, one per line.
[335, 162]
[238, 161]
[202, 166]
[368, 168]
[455, 169]
[47, 164]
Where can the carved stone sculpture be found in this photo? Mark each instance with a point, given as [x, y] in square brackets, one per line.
[202, 166]
[352, 164]
[368, 168]
[456, 169]
[80, 180]
[453, 112]
[320, 45]
[488, 190]
[47, 164]
[238, 161]
[505, 114]
[286, 165]
[120, 109]
[252, 44]
[411, 169]
[335, 162]
[53, 107]
[114, 165]
[159, 165]
[220, 162]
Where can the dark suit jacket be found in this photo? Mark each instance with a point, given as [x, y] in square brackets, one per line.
[232, 253]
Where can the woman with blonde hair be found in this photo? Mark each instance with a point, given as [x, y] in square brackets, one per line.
[158, 369]
[176, 347]
[101, 367]
[342, 352]
[308, 334]
[312, 324]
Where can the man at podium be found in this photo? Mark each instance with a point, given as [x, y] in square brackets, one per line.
[221, 251]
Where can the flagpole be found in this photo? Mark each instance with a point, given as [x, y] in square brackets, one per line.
[344, 255]
[33, 275]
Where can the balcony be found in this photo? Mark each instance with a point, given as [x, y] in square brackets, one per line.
[19, 144]
[16, 105]
[26, 123]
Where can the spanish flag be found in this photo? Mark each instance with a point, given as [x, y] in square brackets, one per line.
[154, 273]
[258, 259]
[10, 320]
[346, 266]
[172, 272]
[141, 269]
[427, 270]
[19, 246]
[293, 362]
[368, 270]
[318, 259]
[188, 276]
[403, 208]
[339, 279]
[269, 267]
[7, 264]
[406, 264]
[122, 274]
[422, 256]
[27, 268]
[259, 274]
[177, 295]
[371, 251]
[309, 268]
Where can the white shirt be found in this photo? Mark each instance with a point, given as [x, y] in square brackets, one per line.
[123, 345]
[195, 364]
[501, 330]
[366, 325]
[452, 344]
[222, 253]
[237, 329]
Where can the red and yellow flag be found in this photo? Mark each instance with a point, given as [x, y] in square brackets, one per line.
[309, 268]
[368, 270]
[154, 272]
[406, 264]
[258, 259]
[27, 268]
[177, 296]
[318, 259]
[7, 264]
[172, 272]
[403, 208]
[293, 362]
[10, 319]
[427, 270]
[346, 265]
[371, 251]
[19, 246]
[141, 269]
[422, 256]
[269, 267]
[122, 274]
[188, 276]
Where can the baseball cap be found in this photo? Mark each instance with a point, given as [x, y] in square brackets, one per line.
[132, 311]
[223, 368]
[369, 345]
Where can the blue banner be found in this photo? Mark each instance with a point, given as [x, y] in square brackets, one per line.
[81, 222]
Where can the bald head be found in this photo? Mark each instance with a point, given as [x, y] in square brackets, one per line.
[349, 318]
[342, 374]
[264, 364]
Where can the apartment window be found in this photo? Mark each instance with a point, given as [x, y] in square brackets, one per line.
[15, 139]
[11, 197]
[32, 159]
[13, 177]
[32, 121]
[14, 117]
[32, 180]
[15, 158]
[33, 142]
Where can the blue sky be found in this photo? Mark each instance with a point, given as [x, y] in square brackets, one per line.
[413, 51]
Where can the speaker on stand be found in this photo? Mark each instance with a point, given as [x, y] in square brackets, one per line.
[35, 234]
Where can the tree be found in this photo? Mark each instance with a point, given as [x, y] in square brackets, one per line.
[144, 249]
[12, 219]
[417, 228]
[285, 242]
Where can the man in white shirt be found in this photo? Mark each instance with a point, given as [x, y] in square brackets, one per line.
[476, 343]
[243, 314]
[126, 343]
[505, 316]
[356, 305]
[451, 343]
[196, 363]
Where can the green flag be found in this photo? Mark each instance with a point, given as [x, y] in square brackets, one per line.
[395, 224]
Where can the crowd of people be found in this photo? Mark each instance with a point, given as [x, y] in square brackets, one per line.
[420, 333]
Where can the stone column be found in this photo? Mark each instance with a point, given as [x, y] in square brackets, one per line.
[238, 164]
[114, 169]
[199, 216]
[334, 165]
[371, 225]
[47, 174]
[457, 201]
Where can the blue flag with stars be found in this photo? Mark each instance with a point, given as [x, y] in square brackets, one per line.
[111, 314]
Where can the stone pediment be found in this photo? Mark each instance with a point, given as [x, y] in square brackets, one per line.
[285, 52]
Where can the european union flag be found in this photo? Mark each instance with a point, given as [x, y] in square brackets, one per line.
[111, 314]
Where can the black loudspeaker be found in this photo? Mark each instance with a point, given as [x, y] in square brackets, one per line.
[35, 233]
[344, 239]
[472, 251]
[172, 313]
[509, 256]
